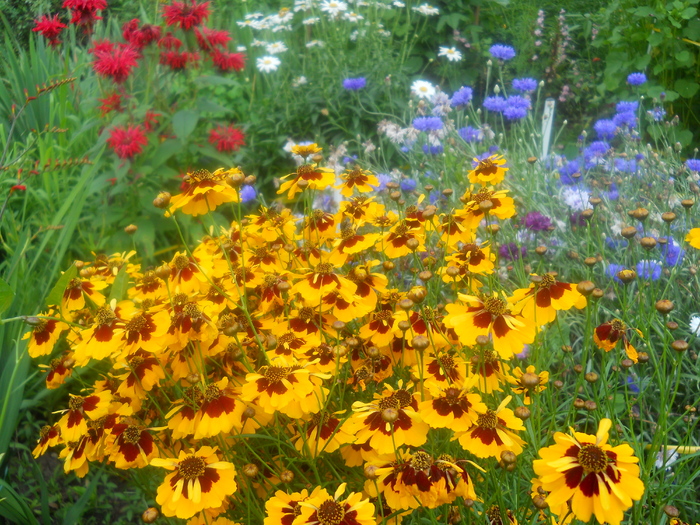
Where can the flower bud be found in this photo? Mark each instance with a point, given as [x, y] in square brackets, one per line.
[420, 342]
[251, 470]
[131, 229]
[530, 380]
[522, 413]
[150, 515]
[162, 201]
[668, 217]
[390, 415]
[541, 250]
[664, 306]
[627, 276]
[628, 232]
[648, 243]
[286, 476]
[679, 345]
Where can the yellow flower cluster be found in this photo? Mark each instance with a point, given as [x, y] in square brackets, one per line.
[289, 329]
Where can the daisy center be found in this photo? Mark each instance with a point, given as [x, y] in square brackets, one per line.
[389, 402]
[191, 467]
[495, 306]
[40, 326]
[105, 315]
[592, 458]
[135, 361]
[306, 313]
[275, 373]
[330, 513]
[192, 311]
[547, 281]
[132, 434]
[201, 175]
[181, 262]
[76, 403]
[421, 461]
[212, 392]
[617, 325]
[483, 195]
[486, 167]
[404, 398]
[324, 269]
[136, 324]
[74, 283]
[487, 420]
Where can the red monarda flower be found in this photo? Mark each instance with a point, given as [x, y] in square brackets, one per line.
[127, 141]
[114, 60]
[228, 61]
[140, 37]
[84, 12]
[170, 42]
[177, 60]
[227, 138]
[111, 103]
[150, 121]
[208, 39]
[186, 14]
[50, 28]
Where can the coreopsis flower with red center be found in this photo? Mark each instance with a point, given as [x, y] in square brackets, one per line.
[290, 344]
[349, 243]
[490, 316]
[209, 39]
[77, 290]
[49, 436]
[145, 372]
[324, 359]
[360, 209]
[323, 509]
[186, 14]
[101, 339]
[220, 411]
[199, 481]
[44, 334]
[50, 28]
[321, 280]
[452, 406]
[284, 387]
[589, 473]
[442, 369]
[470, 259]
[343, 308]
[380, 328]
[693, 238]
[354, 178]
[130, 445]
[319, 227]
[607, 335]
[493, 433]
[177, 60]
[495, 203]
[143, 328]
[110, 103]
[189, 322]
[227, 138]
[283, 508]
[368, 283]
[75, 458]
[528, 383]
[489, 171]
[226, 61]
[127, 141]
[73, 424]
[310, 176]
[490, 370]
[205, 191]
[390, 421]
[546, 295]
[323, 433]
[395, 242]
[186, 275]
[115, 61]
[58, 370]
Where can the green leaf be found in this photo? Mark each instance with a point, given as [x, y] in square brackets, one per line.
[207, 105]
[683, 56]
[120, 285]
[213, 80]
[6, 296]
[54, 298]
[184, 122]
[686, 88]
[689, 12]
[13, 507]
[76, 510]
[166, 150]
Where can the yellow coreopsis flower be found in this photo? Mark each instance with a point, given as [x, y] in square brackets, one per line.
[489, 171]
[493, 433]
[362, 180]
[205, 191]
[322, 508]
[595, 477]
[539, 303]
[313, 177]
[693, 238]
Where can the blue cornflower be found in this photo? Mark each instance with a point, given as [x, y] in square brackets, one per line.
[462, 96]
[658, 113]
[502, 52]
[408, 184]
[626, 166]
[612, 194]
[433, 150]
[353, 84]
[627, 106]
[514, 113]
[693, 164]
[525, 85]
[518, 101]
[605, 129]
[348, 160]
[383, 178]
[496, 103]
[567, 171]
[632, 385]
[627, 118]
[511, 252]
[248, 194]
[673, 253]
[470, 134]
[647, 269]
[636, 79]
[639, 157]
[594, 153]
[612, 269]
[427, 123]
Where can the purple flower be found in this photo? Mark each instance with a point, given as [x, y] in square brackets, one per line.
[433, 150]
[612, 269]
[502, 52]
[605, 129]
[511, 252]
[612, 194]
[627, 106]
[567, 171]
[626, 166]
[383, 179]
[537, 222]
[636, 79]
[354, 84]
[658, 113]
[514, 113]
[632, 385]
[462, 96]
[497, 104]
[693, 164]
[647, 269]
[673, 253]
[627, 118]
[248, 194]
[525, 85]
[427, 123]
[470, 134]
[408, 185]
[594, 153]
[577, 219]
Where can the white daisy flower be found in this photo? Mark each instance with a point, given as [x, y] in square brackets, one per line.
[333, 7]
[258, 43]
[303, 5]
[246, 23]
[315, 43]
[695, 325]
[277, 29]
[241, 49]
[299, 81]
[311, 21]
[353, 17]
[275, 48]
[427, 9]
[398, 4]
[423, 89]
[268, 64]
[450, 53]
[253, 16]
